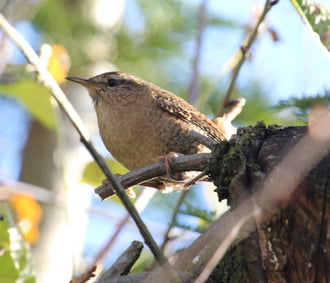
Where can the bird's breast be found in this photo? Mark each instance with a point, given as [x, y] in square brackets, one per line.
[131, 134]
[137, 136]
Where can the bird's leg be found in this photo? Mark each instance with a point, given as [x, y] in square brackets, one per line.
[166, 186]
[167, 159]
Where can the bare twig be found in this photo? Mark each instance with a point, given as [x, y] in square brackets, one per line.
[194, 162]
[244, 50]
[69, 111]
[124, 263]
[39, 193]
[194, 83]
[196, 179]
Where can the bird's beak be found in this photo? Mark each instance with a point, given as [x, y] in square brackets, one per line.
[86, 83]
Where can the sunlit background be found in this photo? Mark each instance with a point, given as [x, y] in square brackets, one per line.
[158, 42]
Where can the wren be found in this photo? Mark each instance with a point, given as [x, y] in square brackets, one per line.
[140, 122]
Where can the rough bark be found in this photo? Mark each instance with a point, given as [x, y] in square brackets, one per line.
[293, 244]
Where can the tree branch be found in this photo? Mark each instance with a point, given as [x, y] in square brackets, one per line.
[194, 83]
[193, 162]
[124, 263]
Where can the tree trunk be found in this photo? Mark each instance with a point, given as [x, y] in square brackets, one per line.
[293, 244]
[52, 252]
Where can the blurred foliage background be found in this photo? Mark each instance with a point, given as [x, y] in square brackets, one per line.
[44, 169]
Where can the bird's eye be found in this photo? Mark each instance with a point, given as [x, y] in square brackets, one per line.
[112, 82]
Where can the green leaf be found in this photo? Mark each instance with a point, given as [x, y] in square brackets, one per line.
[35, 98]
[15, 257]
[317, 17]
[93, 175]
[8, 271]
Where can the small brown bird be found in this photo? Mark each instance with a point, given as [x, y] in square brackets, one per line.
[140, 122]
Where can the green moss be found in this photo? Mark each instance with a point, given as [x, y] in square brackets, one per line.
[231, 158]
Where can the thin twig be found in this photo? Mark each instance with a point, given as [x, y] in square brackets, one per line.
[193, 162]
[194, 83]
[196, 179]
[123, 264]
[244, 50]
[69, 111]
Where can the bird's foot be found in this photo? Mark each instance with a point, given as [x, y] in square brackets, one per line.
[167, 160]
